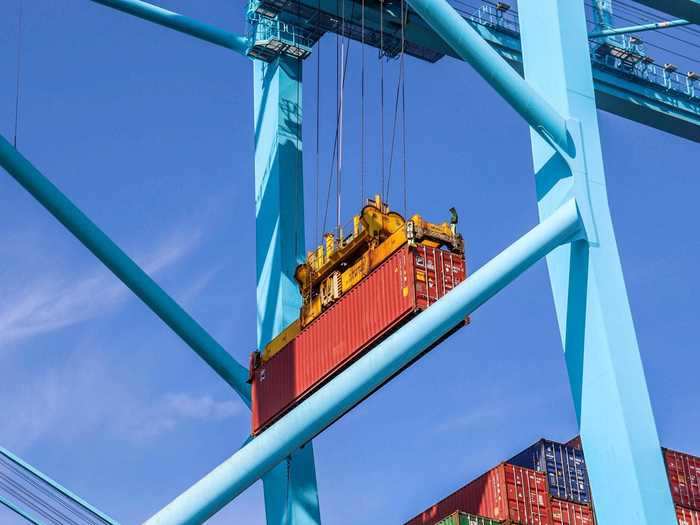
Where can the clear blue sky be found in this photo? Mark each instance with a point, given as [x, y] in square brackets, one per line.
[150, 132]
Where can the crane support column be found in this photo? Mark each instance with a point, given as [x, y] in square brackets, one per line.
[291, 496]
[607, 379]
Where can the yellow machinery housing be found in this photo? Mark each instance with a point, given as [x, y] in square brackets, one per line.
[340, 263]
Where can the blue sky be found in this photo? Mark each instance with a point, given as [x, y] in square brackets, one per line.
[150, 132]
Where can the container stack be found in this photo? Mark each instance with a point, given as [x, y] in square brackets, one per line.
[567, 480]
[546, 484]
[463, 518]
[683, 472]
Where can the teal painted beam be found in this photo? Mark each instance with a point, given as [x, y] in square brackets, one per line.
[180, 23]
[686, 9]
[125, 269]
[469, 45]
[367, 374]
[646, 102]
[60, 489]
[291, 493]
[623, 454]
[642, 99]
[639, 29]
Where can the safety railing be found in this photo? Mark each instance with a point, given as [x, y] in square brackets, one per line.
[500, 17]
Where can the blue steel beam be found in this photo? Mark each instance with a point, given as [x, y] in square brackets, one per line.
[639, 28]
[617, 92]
[291, 494]
[686, 9]
[367, 374]
[608, 385]
[27, 469]
[620, 93]
[180, 23]
[469, 45]
[125, 269]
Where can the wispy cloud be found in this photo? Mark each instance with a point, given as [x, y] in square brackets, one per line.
[86, 395]
[63, 299]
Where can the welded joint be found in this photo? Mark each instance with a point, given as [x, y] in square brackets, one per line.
[575, 157]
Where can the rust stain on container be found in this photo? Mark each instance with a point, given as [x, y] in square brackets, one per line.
[407, 282]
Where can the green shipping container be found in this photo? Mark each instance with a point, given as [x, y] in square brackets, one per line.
[462, 518]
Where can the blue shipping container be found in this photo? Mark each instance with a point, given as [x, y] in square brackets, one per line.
[564, 466]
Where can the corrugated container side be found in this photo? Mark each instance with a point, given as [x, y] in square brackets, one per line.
[566, 512]
[684, 478]
[464, 518]
[507, 492]
[366, 313]
[687, 516]
[575, 443]
[565, 468]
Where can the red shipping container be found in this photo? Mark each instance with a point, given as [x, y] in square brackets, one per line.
[506, 492]
[407, 282]
[684, 478]
[687, 516]
[575, 443]
[569, 513]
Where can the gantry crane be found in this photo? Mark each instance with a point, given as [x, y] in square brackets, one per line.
[555, 75]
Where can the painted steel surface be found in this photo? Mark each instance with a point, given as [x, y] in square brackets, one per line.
[180, 23]
[684, 478]
[606, 373]
[408, 281]
[568, 513]
[686, 9]
[639, 28]
[290, 489]
[687, 516]
[125, 269]
[258, 456]
[564, 466]
[463, 518]
[469, 45]
[631, 97]
[506, 492]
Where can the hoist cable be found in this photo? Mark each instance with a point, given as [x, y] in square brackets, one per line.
[318, 126]
[339, 173]
[393, 135]
[299, 233]
[381, 96]
[404, 19]
[399, 102]
[19, 69]
[362, 114]
[335, 146]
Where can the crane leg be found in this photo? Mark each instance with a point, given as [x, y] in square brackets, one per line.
[605, 369]
[291, 496]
